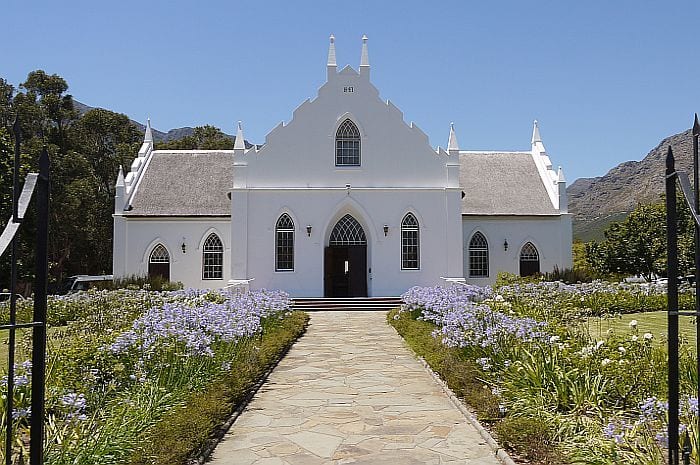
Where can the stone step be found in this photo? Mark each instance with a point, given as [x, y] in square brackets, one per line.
[312, 304]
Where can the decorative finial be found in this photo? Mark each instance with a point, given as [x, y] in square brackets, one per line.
[364, 59]
[696, 126]
[536, 133]
[452, 145]
[331, 52]
[148, 137]
[239, 143]
[560, 175]
[120, 177]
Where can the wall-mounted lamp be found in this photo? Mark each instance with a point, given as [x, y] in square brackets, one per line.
[386, 230]
[308, 230]
[184, 246]
[505, 245]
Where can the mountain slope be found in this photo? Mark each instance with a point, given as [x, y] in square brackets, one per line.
[595, 202]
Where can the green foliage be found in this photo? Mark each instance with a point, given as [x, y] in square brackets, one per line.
[571, 275]
[160, 404]
[203, 138]
[85, 154]
[182, 434]
[153, 283]
[637, 245]
[531, 437]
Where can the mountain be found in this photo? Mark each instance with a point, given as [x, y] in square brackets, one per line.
[158, 136]
[596, 202]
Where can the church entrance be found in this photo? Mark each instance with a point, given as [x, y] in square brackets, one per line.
[345, 260]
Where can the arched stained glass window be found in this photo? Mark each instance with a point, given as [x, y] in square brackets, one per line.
[410, 243]
[347, 145]
[348, 231]
[284, 243]
[478, 256]
[529, 260]
[159, 262]
[213, 258]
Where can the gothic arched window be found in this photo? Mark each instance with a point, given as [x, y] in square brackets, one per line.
[410, 243]
[478, 256]
[284, 244]
[213, 258]
[159, 262]
[529, 260]
[347, 145]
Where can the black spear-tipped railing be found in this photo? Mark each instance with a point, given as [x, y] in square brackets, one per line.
[10, 236]
[692, 199]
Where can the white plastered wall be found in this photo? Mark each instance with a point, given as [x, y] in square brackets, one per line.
[550, 234]
[136, 237]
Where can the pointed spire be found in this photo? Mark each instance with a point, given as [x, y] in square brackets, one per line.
[331, 52]
[364, 59]
[560, 175]
[536, 133]
[148, 137]
[239, 144]
[120, 177]
[696, 126]
[452, 145]
[670, 161]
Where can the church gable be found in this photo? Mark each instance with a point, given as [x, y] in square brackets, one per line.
[309, 151]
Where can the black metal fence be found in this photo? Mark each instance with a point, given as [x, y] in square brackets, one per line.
[38, 182]
[692, 198]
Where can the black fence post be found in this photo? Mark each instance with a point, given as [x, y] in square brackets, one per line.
[696, 182]
[36, 450]
[672, 295]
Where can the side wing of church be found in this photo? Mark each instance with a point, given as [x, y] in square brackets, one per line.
[346, 199]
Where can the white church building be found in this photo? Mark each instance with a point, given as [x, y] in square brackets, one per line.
[345, 199]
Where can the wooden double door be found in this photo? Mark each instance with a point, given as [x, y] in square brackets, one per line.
[345, 271]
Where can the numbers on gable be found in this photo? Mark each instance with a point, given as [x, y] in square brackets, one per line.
[348, 89]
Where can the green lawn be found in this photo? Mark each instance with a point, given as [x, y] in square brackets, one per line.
[650, 322]
[20, 354]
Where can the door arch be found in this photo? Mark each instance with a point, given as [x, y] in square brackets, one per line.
[159, 262]
[529, 260]
[345, 260]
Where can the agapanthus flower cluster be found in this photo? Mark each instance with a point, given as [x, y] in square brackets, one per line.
[75, 405]
[195, 323]
[652, 421]
[464, 319]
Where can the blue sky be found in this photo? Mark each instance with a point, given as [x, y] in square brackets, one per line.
[606, 79]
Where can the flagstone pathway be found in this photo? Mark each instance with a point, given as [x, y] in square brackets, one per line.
[350, 392]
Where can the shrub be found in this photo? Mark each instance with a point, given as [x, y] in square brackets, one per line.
[152, 283]
[571, 275]
[530, 438]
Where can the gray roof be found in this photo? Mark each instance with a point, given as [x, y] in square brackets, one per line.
[185, 183]
[502, 183]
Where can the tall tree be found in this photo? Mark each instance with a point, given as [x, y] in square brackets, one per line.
[637, 245]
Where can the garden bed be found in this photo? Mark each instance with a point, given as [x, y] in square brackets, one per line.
[150, 377]
[549, 390]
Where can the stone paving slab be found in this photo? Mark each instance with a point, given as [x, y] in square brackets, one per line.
[350, 392]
